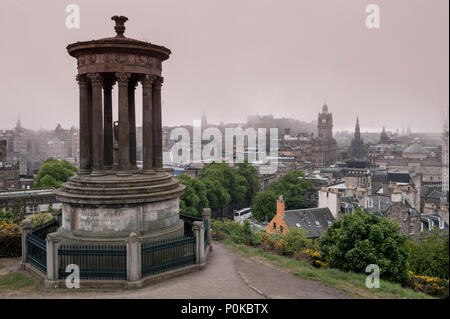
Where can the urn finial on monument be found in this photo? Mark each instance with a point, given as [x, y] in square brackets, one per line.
[120, 25]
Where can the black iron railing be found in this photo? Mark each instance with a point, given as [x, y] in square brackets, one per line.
[47, 228]
[169, 254]
[205, 233]
[37, 252]
[94, 261]
[188, 222]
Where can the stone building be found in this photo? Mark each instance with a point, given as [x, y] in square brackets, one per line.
[323, 147]
[408, 218]
[9, 174]
[3, 152]
[445, 154]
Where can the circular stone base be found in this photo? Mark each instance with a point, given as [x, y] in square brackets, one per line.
[82, 238]
[110, 207]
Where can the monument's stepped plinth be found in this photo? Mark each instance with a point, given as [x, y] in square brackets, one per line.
[112, 207]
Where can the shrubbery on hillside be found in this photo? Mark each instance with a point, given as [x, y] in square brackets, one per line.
[359, 239]
[430, 255]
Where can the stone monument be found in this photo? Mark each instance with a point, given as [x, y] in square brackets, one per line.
[110, 198]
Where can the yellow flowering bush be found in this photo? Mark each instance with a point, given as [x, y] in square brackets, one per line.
[313, 256]
[10, 239]
[430, 285]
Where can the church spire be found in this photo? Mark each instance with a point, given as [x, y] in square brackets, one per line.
[357, 129]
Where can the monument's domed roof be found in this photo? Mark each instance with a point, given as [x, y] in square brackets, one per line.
[415, 149]
[119, 43]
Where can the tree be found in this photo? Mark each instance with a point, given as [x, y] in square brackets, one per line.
[251, 177]
[227, 176]
[294, 187]
[359, 239]
[194, 198]
[53, 173]
[217, 195]
[264, 205]
[429, 256]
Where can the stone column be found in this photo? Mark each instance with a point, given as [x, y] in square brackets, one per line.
[157, 124]
[26, 229]
[132, 120]
[206, 215]
[197, 228]
[85, 128]
[97, 124]
[53, 242]
[108, 124]
[124, 125]
[147, 125]
[134, 269]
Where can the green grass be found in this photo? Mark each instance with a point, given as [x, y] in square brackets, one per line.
[15, 280]
[351, 283]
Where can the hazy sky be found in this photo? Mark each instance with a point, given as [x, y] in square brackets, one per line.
[233, 58]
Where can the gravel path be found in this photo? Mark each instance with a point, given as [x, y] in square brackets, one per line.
[227, 275]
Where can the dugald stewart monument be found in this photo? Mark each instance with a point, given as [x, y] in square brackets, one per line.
[119, 223]
[110, 197]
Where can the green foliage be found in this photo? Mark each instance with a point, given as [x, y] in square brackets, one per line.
[40, 219]
[264, 206]
[291, 186]
[358, 240]
[429, 256]
[294, 187]
[10, 239]
[217, 195]
[7, 217]
[291, 244]
[296, 241]
[226, 176]
[53, 173]
[251, 177]
[194, 198]
[18, 212]
[227, 229]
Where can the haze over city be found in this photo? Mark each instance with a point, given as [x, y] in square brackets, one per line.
[284, 58]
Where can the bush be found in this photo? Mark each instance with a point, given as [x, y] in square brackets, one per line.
[7, 217]
[358, 239]
[295, 241]
[429, 256]
[429, 285]
[10, 240]
[241, 234]
[40, 219]
[313, 257]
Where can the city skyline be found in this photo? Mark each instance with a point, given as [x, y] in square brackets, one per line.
[248, 61]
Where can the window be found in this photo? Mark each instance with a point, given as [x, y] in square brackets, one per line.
[317, 223]
[274, 225]
[281, 229]
[411, 230]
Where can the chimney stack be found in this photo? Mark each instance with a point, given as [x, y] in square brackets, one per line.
[396, 197]
[280, 206]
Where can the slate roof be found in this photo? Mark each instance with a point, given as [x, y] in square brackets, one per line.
[348, 204]
[380, 203]
[313, 220]
[437, 222]
[435, 194]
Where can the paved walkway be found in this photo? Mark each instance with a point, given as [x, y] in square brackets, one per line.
[227, 275]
